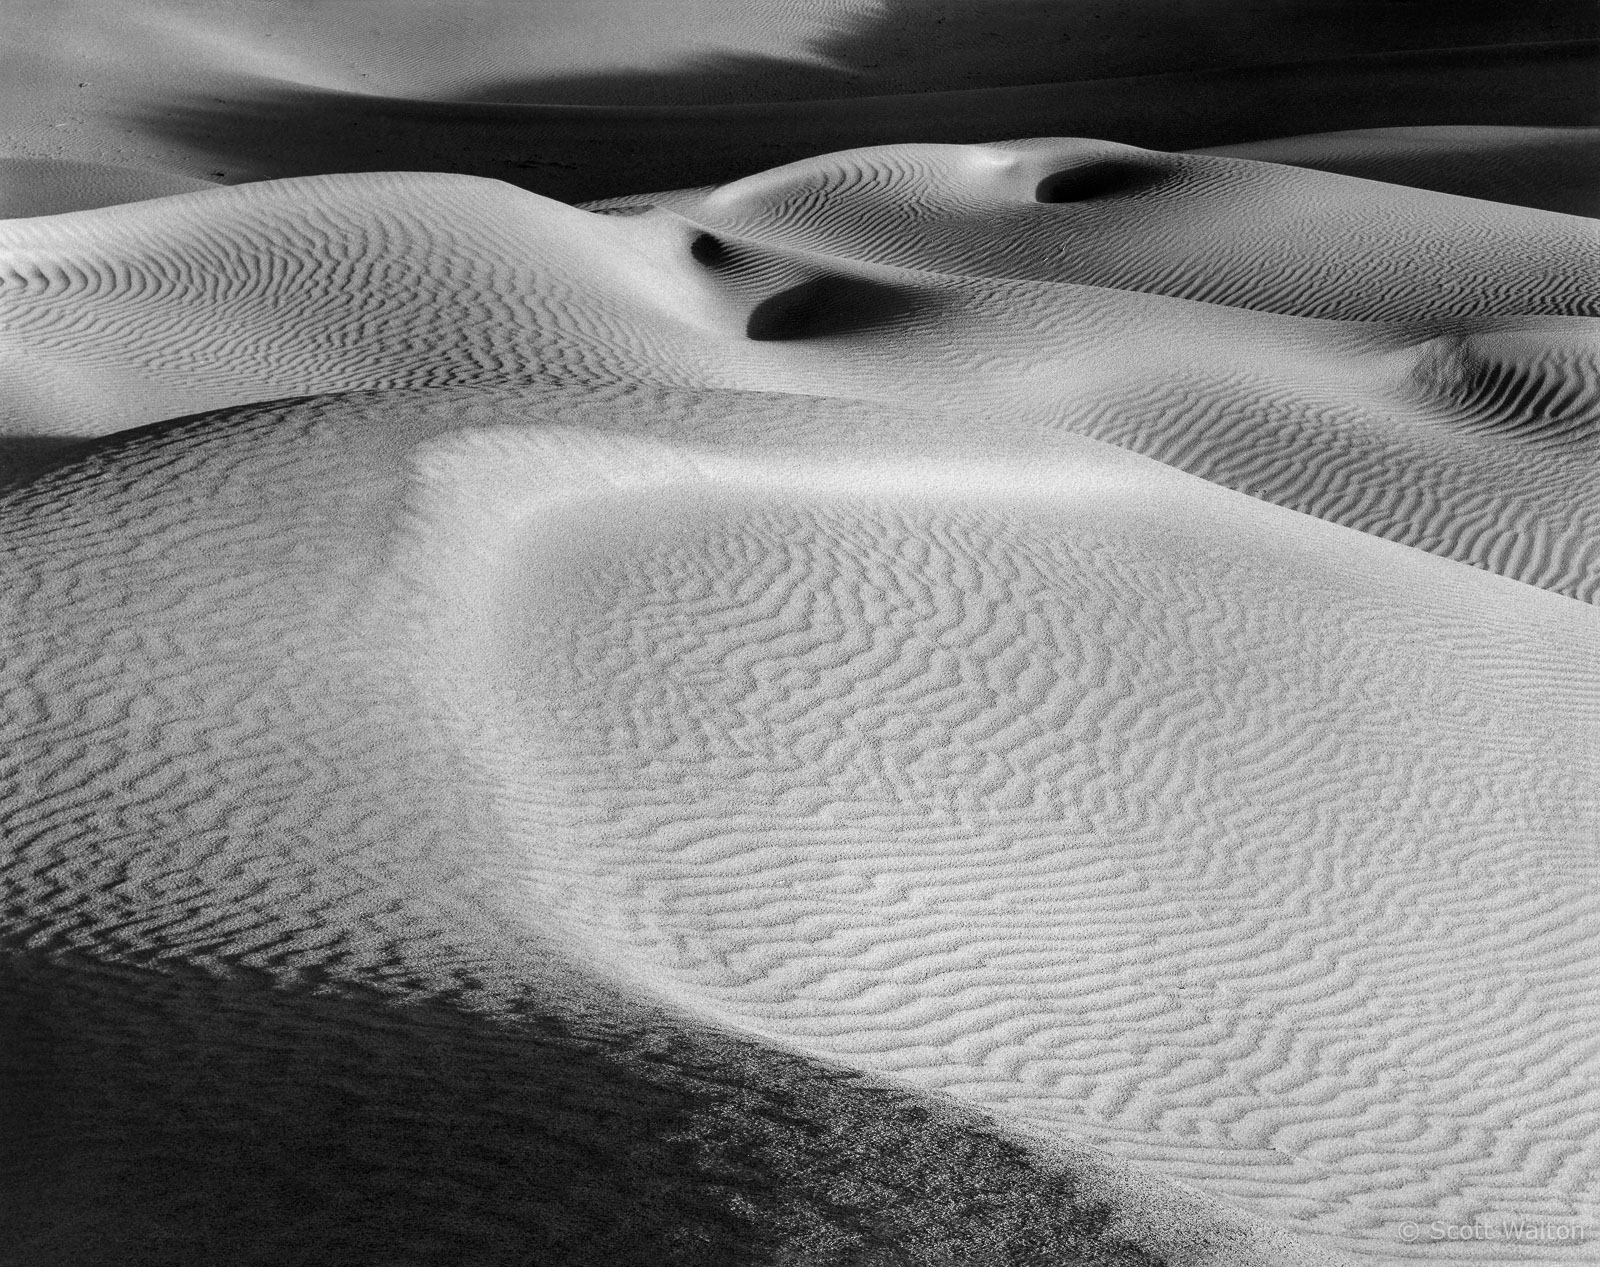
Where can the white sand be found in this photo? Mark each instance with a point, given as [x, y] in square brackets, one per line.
[1240, 845]
[1098, 639]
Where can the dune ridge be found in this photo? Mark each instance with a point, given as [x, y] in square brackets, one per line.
[326, 284]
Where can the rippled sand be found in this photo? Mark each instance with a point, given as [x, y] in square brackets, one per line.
[1018, 702]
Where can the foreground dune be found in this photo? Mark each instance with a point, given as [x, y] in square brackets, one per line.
[1184, 826]
[1139, 814]
[298, 985]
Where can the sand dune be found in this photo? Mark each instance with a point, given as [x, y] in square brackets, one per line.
[1090, 794]
[601, 99]
[1244, 234]
[1145, 816]
[234, 772]
[871, 631]
[1553, 169]
[44, 187]
[1446, 412]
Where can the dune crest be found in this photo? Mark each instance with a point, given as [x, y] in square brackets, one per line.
[999, 781]
[1459, 418]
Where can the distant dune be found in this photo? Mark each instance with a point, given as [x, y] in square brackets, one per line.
[609, 97]
[1437, 354]
[847, 633]
[1554, 169]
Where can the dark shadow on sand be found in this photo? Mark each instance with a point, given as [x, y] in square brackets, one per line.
[23, 457]
[169, 1116]
[919, 46]
[575, 153]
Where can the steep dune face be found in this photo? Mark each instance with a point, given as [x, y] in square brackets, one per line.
[1451, 406]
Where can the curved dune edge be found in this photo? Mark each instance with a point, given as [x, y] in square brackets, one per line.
[806, 823]
[1418, 366]
[206, 614]
[271, 972]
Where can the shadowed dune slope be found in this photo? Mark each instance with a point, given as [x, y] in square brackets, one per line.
[258, 128]
[1451, 407]
[44, 187]
[284, 979]
[602, 98]
[608, 97]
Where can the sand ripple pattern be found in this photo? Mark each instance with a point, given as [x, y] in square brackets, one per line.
[1221, 230]
[1083, 631]
[1255, 851]
[272, 989]
[1411, 364]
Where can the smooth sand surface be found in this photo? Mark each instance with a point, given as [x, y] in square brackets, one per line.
[1554, 169]
[709, 636]
[46, 187]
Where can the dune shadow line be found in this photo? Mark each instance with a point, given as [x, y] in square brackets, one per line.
[176, 1117]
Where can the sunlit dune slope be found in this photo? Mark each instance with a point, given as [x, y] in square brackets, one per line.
[1076, 788]
[1452, 406]
[288, 977]
[1131, 811]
